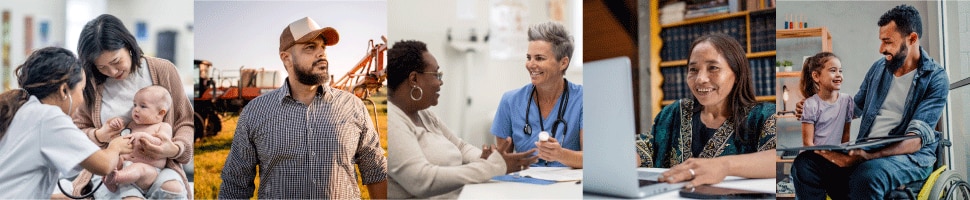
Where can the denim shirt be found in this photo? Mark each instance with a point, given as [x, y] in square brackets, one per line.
[925, 103]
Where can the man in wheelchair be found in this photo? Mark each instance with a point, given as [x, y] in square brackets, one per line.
[904, 94]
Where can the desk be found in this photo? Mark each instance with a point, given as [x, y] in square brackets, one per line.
[514, 190]
[760, 185]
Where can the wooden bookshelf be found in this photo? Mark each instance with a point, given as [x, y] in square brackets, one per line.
[821, 32]
[711, 18]
[794, 74]
[656, 44]
[708, 18]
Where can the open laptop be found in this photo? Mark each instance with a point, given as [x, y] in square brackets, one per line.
[609, 156]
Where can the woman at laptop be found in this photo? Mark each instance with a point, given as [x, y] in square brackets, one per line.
[722, 130]
[549, 105]
[426, 160]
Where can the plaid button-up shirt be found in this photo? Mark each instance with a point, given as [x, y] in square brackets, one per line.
[303, 151]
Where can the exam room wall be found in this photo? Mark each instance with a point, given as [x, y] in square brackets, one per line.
[487, 78]
[51, 11]
[162, 15]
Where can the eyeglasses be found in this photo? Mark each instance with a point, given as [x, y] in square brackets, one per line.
[437, 74]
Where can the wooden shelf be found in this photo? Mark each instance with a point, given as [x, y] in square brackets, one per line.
[656, 44]
[677, 63]
[673, 63]
[714, 17]
[785, 195]
[821, 32]
[800, 33]
[764, 98]
[706, 19]
[762, 54]
[792, 74]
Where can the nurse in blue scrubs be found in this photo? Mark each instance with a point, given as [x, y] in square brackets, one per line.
[550, 103]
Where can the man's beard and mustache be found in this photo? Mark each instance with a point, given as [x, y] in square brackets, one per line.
[898, 58]
[305, 74]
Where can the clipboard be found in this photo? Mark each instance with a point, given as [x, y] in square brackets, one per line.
[859, 144]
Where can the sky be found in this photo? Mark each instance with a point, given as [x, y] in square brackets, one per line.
[231, 34]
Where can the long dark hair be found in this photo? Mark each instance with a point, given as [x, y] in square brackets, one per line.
[403, 58]
[43, 74]
[105, 33]
[742, 95]
[812, 65]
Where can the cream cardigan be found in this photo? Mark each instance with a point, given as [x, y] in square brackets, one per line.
[431, 162]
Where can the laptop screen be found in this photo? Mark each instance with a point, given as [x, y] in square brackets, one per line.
[609, 126]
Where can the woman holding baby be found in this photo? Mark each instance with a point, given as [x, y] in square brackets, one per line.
[116, 69]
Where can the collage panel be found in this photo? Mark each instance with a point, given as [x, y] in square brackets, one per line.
[95, 100]
[691, 101]
[865, 89]
[485, 99]
[290, 99]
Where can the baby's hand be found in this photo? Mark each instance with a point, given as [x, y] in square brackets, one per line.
[115, 124]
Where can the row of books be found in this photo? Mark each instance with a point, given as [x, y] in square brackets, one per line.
[763, 31]
[677, 40]
[763, 72]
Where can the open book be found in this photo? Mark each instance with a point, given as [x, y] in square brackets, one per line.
[859, 144]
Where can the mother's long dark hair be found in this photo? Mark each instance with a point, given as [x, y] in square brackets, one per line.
[104, 33]
[43, 74]
[742, 94]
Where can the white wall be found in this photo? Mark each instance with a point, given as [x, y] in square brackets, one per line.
[64, 30]
[162, 15]
[487, 78]
[51, 11]
[855, 38]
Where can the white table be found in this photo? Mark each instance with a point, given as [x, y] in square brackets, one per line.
[514, 190]
[760, 185]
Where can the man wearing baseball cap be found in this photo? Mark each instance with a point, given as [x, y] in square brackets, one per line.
[305, 137]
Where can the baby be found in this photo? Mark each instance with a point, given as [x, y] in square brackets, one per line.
[148, 113]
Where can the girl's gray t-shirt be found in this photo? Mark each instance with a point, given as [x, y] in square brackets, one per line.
[829, 118]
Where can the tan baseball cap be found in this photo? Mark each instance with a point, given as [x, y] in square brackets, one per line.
[305, 30]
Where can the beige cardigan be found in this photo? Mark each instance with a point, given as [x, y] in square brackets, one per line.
[165, 74]
[432, 162]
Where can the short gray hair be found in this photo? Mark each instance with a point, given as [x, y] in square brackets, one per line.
[555, 34]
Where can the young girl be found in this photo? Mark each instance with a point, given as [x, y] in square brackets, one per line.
[828, 114]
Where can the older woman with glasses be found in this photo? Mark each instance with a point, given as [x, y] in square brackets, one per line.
[425, 159]
[547, 113]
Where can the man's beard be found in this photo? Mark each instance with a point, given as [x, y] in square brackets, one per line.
[898, 58]
[306, 76]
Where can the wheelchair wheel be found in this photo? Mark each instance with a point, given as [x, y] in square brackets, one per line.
[943, 184]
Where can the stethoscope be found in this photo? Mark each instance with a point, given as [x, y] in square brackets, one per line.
[563, 100]
[124, 132]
